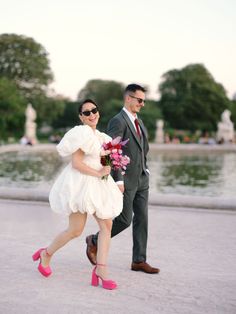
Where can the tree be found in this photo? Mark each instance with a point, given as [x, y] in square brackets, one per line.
[109, 110]
[191, 99]
[69, 117]
[11, 109]
[25, 63]
[47, 108]
[102, 91]
[233, 111]
[150, 114]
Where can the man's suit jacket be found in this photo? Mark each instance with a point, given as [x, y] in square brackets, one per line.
[136, 149]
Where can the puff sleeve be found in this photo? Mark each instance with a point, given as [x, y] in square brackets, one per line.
[105, 138]
[81, 136]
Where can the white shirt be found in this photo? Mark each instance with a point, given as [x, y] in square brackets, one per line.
[132, 118]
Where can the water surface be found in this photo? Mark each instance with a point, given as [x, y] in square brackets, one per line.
[193, 173]
[184, 173]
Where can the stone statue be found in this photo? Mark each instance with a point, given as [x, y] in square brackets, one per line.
[159, 138]
[225, 132]
[30, 125]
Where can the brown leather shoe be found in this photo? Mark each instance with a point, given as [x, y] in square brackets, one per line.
[91, 250]
[145, 267]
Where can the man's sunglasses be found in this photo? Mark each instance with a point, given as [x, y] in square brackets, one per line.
[88, 112]
[140, 100]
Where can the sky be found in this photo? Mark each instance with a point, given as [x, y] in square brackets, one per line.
[129, 41]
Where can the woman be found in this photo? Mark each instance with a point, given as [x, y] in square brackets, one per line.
[80, 190]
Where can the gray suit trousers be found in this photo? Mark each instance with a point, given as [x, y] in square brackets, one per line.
[135, 208]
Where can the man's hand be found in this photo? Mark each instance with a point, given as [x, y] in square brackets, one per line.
[121, 187]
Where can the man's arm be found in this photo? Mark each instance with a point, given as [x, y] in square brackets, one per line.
[115, 128]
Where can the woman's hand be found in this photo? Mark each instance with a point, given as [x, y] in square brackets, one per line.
[104, 171]
[105, 152]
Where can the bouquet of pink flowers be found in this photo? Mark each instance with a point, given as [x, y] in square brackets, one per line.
[112, 155]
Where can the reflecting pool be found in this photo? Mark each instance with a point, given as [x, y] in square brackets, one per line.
[184, 173]
[29, 169]
[193, 173]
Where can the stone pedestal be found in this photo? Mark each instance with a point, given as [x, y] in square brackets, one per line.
[225, 132]
[30, 125]
[159, 138]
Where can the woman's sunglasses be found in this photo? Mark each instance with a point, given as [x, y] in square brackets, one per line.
[88, 112]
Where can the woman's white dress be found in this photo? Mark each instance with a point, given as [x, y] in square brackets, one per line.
[74, 191]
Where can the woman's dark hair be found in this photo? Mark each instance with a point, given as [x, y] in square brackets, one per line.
[85, 102]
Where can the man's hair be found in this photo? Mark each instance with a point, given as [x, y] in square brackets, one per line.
[133, 88]
[85, 102]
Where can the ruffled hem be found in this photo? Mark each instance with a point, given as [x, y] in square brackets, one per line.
[89, 195]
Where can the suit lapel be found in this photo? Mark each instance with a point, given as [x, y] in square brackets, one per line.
[144, 132]
[131, 127]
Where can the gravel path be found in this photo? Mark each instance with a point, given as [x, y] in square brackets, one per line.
[195, 249]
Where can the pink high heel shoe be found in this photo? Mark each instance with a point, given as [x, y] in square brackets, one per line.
[45, 271]
[106, 284]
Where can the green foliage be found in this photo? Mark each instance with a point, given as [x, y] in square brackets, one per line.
[69, 117]
[102, 91]
[191, 99]
[233, 111]
[108, 110]
[150, 114]
[25, 61]
[11, 109]
[47, 108]
[24, 64]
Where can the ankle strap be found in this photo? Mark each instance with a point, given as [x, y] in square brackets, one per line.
[46, 251]
[101, 264]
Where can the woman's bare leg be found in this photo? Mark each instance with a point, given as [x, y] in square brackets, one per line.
[104, 238]
[76, 226]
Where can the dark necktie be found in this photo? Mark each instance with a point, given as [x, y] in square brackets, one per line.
[137, 127]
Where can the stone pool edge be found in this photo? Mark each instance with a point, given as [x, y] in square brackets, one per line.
[170, 200]
[153, 147]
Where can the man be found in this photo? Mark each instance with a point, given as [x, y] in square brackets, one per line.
[135, 183]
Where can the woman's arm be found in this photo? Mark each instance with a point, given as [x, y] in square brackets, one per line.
[77, 163]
